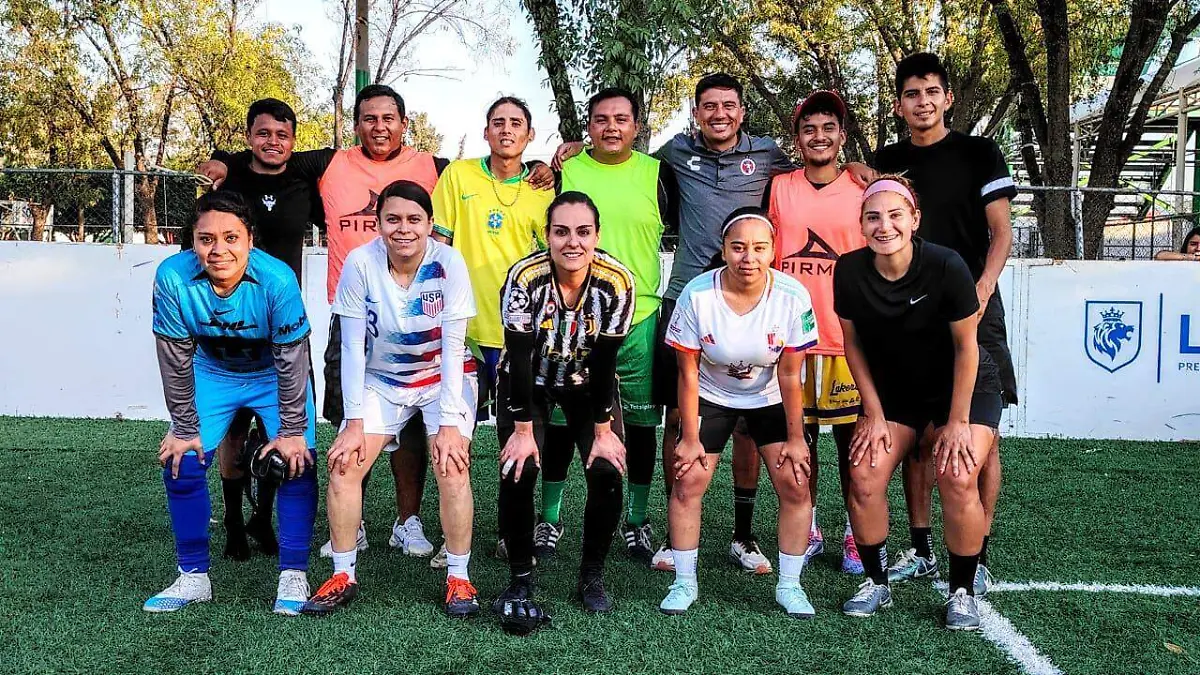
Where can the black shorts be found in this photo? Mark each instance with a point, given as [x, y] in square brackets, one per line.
[665, 386]
[993, 337]
[332, 409]
[766, 425]
[917, 410]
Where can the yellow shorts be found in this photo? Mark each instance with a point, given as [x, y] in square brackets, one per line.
[830, 395]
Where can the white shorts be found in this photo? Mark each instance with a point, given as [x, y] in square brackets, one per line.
[381, 416]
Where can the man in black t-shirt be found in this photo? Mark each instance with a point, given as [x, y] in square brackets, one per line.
[965, 189]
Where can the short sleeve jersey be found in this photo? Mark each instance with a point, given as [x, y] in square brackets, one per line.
[904, 325]
[404, 325]
[955, 178]
[283, 204]
[350, 188]
[814, 229]
[738, 354]
[494, 224]
[531, 302]
[234, 334]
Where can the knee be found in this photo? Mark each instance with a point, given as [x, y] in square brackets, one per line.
[603, 472]
[863, 487]
[345, 484]
[190, 471]
[790, 493]
[455, 481]
[690, 488]
[958, 489]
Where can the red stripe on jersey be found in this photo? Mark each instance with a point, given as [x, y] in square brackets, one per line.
[679, 347]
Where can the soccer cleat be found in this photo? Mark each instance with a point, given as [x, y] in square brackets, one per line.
[663, 560]
[680, 596]
[333, 595]
[438, 561]
[851, 563]
[462, 600]
[870, 598]
[410, 538]
[638, 540]
[983, 581]
[292, 592]
[591, 593]
[747, 556]
[816, 545]
[518, 589]
[962, 611]
[545, 540]
[327, 547]
[911, 566]
[260, 530]
[794, 600]
[190, 587]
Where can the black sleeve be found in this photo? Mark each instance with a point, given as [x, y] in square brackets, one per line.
[519, 348]
[959, 299]
[885, 160]
[602, 376]
[292, 366]
[843, 289]
[179, 385]
[440, 164]
[996, 181]
[766, 200]
[223, 156]
[311, 164]
[668, 197]
[558, 182]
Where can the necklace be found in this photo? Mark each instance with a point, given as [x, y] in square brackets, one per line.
[496, 190]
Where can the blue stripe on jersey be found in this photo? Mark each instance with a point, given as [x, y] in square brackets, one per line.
[433, 270]
[418, 338]
[413, 308]
[413, 358]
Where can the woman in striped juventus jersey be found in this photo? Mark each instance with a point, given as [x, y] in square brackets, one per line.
[566, 312]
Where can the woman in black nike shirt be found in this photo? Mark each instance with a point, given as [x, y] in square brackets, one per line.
[908, 309]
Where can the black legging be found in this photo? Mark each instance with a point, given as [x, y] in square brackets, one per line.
[516, 513]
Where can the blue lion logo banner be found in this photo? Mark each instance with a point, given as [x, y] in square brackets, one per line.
[1112, 333]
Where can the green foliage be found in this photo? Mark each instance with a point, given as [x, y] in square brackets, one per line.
[422, 135]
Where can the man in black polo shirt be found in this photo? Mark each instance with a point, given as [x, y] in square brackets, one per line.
[965, 189]
[284, 202]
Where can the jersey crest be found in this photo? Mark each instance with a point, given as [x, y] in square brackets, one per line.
[432, 303]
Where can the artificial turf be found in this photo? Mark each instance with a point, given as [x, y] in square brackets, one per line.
[85, 539]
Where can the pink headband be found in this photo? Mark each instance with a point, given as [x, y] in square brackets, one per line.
[747, 216]
[888, 185]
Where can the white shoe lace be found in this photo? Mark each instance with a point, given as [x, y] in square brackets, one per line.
[959, 603]
[866, 591]
[413, 530]
[642, 537]
[186, 585]
[906, 559]
[543, 535]
[293, 585]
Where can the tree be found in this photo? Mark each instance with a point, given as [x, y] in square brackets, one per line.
[422, 135]
[557, 41]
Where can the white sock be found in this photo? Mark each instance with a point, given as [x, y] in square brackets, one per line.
[345, 562]
[812, 529]
[456, 565]
[685, 564]
[790, 568]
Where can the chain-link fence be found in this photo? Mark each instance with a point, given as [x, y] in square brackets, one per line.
[96, 205]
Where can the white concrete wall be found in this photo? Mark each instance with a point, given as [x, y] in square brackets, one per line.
[76, 340]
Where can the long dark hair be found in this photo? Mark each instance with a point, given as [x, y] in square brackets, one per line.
[1194, 232]
[405, 189]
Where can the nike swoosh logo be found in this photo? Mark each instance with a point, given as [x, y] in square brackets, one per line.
[913, 301]
[222, 312]
[466, 197]
[369, 299]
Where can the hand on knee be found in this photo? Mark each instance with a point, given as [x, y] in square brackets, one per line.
[960, 489]
[790, 493]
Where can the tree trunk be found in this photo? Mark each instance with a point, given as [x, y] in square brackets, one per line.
[147, 190]
[81, 232]
[41, 213]
[544, 14]
[338, 117]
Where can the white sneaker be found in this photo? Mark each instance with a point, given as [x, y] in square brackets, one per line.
[291, 593]
[663, 560]
[188, 588]
[747, 556]
[410, 538]
[439, 562]
[327, 547]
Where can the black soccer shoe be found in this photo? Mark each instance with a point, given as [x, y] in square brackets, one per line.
[522, 617]
[519, 588]
[333, 595]
[592, 594]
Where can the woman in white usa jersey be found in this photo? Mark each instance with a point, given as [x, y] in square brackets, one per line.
[740, 333]
[403, 301]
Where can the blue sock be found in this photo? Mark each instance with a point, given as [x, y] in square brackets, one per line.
[297, 513]
[190, 509]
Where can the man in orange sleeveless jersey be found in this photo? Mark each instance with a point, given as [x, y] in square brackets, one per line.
[816, 214]
[349, 181]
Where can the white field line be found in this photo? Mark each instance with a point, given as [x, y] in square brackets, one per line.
[1139, 589]
[999, 631]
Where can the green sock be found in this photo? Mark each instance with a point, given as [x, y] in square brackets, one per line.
[638, 496]
[552, 495]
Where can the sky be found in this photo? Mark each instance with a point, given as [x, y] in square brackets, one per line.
[455, 106]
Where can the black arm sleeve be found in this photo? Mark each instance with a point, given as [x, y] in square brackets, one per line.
[292, 363]
[179, 385]
[668, 197]
[311, 164]
[602, 376]
[222, 156]
[520, 373]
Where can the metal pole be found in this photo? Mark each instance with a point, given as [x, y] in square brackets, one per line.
[362, 52]
[1076, 196]
[127, 198]
[1181, 133]
[116, 207]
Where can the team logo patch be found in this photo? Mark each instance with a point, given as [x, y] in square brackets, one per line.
[1112, 333]
[432, 303]
[774, 342]
[518, 299]
[590, 325]
[708, 339]
[495, 222]
[808, 321]
[748, 167]
[269, 202]
[740, 370]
